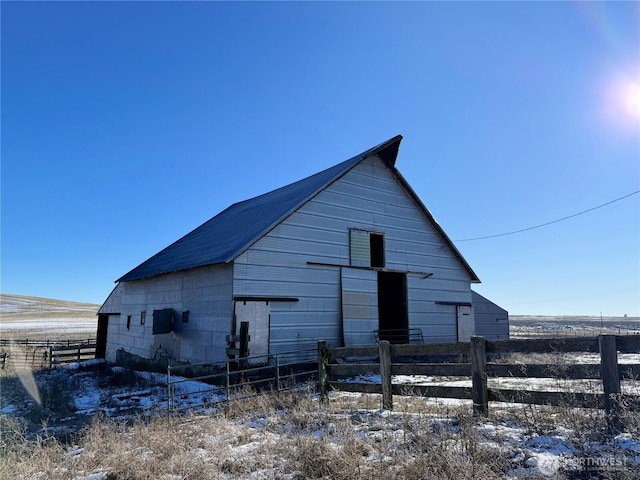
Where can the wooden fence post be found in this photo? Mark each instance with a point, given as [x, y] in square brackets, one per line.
[384, 348]
[610, 376]
[322, 370]
[480, 393]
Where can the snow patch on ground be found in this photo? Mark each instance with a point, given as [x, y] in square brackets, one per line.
[8, 409]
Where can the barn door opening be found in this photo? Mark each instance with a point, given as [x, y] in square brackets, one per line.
[101, 336]
[257, 314]
[393, 318]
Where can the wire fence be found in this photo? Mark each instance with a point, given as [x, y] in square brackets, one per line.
[207, 384]
[548, 327]
[527, 331]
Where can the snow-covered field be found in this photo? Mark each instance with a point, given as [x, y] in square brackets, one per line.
[531, 326]
[36, 318]
[71, 326]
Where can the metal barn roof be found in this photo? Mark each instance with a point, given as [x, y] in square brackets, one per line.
[228, 234]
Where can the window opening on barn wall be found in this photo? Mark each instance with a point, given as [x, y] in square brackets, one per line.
[377, 249]
[143, 316]
[128, 322]
[366, 249]
[162, 321]
[185, 316]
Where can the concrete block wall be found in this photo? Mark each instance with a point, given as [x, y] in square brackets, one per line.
[205, 292]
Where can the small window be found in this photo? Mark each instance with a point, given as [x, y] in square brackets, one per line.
[185, 316]
[128, 322]
[366, 249]
[143, 316]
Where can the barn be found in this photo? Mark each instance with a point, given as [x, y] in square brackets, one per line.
[349, 255]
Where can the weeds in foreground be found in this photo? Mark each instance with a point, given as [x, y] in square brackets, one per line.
[286, 434]
[290, 435]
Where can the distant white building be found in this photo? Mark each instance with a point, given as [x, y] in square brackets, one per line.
[347, 255]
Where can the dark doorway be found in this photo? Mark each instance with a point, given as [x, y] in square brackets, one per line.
[376, 247]
[393, 319]
[101, 336]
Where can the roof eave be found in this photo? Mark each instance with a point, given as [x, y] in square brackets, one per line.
[445, 238]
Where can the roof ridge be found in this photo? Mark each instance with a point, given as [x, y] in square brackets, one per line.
[364, 155]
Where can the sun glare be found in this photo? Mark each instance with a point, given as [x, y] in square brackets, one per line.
[623, 103]
[631, 99]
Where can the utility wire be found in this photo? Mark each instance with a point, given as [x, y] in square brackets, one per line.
[551, 222]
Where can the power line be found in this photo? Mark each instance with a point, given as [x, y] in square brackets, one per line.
[551, 222]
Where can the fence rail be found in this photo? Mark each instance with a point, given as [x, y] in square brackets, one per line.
[44, 354]
[399, 335]
[473, 360]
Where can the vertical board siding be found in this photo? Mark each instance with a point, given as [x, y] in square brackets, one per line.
[205, 292]
[369, 198]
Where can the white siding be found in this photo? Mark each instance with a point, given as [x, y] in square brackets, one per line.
[113, 334]
[113, 301]
[437, 322]
[205, 292]
[257, 315]
[368, 197]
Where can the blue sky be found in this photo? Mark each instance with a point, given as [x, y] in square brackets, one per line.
[126, 125]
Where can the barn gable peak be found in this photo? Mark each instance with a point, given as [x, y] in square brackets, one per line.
[225, 236]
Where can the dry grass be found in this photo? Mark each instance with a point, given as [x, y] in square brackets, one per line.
[292, 436]
[268, 436]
